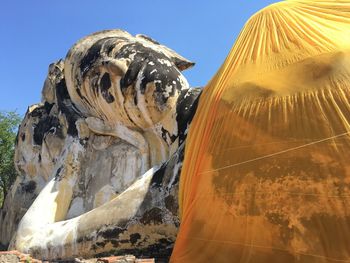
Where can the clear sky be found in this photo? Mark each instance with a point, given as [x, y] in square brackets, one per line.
[35, 33]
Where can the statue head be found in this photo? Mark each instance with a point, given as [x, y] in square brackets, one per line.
[111, 114]
[120, 78]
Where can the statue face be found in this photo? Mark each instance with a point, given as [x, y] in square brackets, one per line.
[124, 79]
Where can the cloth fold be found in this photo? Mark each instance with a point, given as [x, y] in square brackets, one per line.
[266, 175]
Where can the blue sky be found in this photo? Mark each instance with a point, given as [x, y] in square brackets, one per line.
[36, 33]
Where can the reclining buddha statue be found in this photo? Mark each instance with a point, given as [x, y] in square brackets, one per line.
[263, 175]
[112, 113]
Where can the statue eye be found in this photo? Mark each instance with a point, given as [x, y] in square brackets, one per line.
[105, 85]
[105, 82]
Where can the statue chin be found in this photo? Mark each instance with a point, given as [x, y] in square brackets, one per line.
[100, 156]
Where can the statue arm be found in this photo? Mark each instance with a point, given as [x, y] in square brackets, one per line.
[132, 137]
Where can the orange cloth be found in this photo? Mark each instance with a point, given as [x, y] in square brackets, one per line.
[266, 175]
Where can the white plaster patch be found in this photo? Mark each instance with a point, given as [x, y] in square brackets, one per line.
[165, 62]
[168, 90]
[132, 56]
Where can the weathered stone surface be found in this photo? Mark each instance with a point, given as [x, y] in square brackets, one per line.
[101, 154]
[18, 257]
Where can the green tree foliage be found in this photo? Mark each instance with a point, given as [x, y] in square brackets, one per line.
[9, 122]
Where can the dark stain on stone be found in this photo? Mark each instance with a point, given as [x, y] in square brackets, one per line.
[83, 142]
[105, 82]
[57, 175]
[104, 45]
[149, 39]
[167, 136]
[47, 124]
[101, 244]
[66, 106]
[153, 215]
[85, 239]
[166, 171]
[158, 176]
[91, 56]
[149, 64]
[79, 93]
[124, 241]
[105, 85]
[186, 108]
[134, 238]
[38, 112]
[29, 187]
[171, 204]
[111, 233]
[48, 107]
[41, 110]
[135, 99]
[164, 241]
[114, 242]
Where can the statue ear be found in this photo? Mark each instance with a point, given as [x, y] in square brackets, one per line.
[180, 62]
